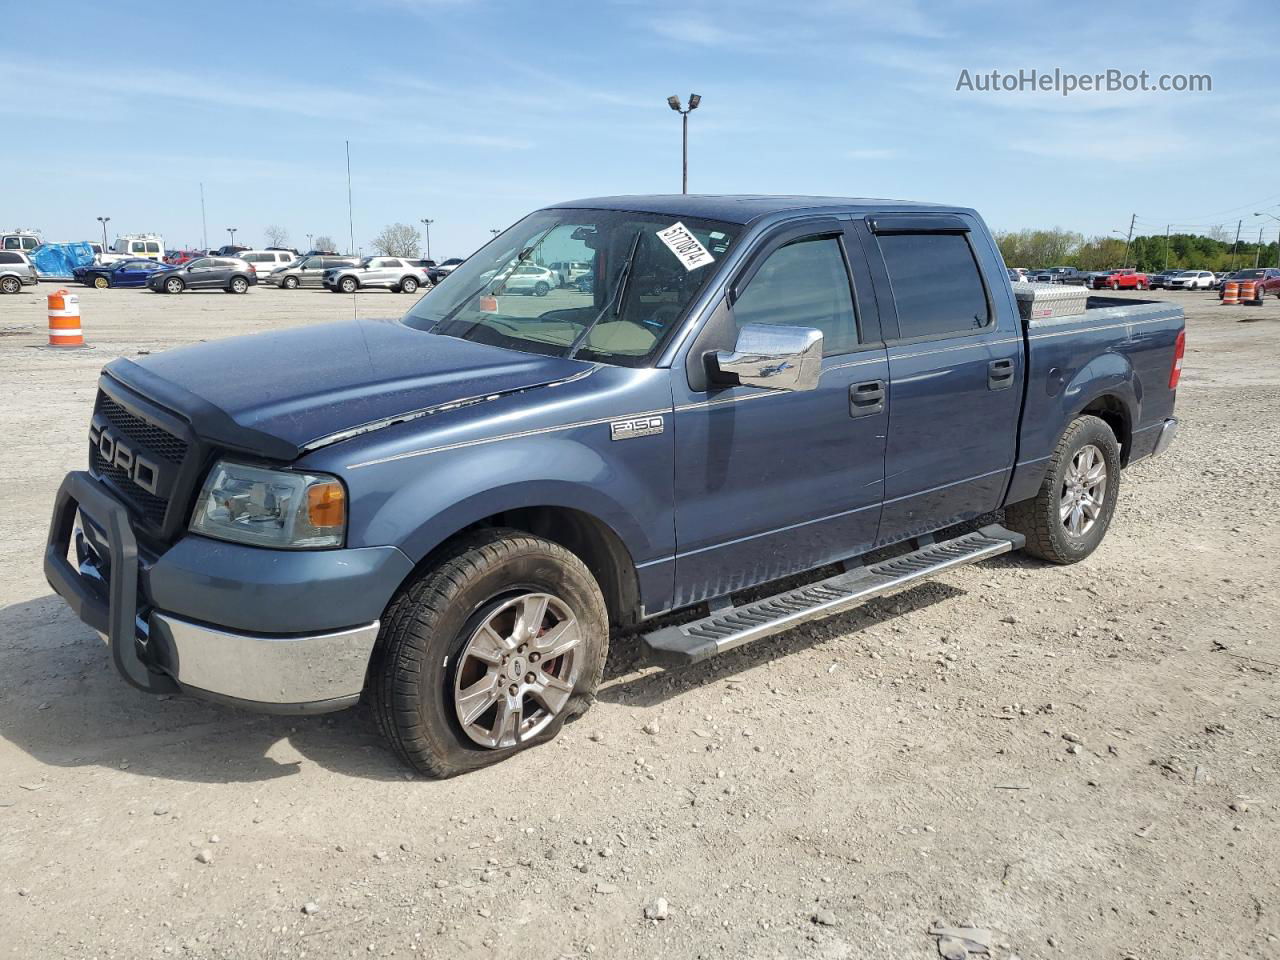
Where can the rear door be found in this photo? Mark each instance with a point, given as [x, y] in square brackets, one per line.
[772, 482]
[955, 370]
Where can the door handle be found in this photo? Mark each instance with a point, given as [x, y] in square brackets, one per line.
[1000, 374]
[866, 399]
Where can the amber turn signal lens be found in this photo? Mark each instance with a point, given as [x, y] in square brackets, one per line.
[326, 504]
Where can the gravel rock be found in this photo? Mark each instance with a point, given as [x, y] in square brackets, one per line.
[205, 856]
[824, 918]
[657, 910]
[311, 908]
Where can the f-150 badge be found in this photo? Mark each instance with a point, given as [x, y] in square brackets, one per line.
[635, 427]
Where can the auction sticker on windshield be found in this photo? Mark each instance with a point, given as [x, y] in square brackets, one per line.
[685, 246]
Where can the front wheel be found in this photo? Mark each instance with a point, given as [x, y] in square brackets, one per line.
[348, 284]
[289, 283]
[1114, 285]
[101, 283]
[173, 285]
[1140, 285]
[408, 285]
[488, 652]
[1067, 519]
[541, 288]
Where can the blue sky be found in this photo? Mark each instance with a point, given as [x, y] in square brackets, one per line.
[473, 112]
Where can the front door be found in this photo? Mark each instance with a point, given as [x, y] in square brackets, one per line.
[772, 482]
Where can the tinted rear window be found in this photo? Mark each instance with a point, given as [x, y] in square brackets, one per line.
[936, 284]
[9, 257]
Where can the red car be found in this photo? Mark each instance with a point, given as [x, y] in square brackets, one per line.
[179, 257]
[1126, 279]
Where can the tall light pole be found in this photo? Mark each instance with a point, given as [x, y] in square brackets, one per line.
[427, 223]
[495, 231]
[674, 103]
[1277, 220]
[232, 231]
[309, 236]
[103, 221]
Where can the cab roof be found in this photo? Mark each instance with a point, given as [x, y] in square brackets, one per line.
[746, 208]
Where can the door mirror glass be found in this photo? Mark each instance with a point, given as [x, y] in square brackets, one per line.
[772, 356]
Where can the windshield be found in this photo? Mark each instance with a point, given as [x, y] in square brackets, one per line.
[629, 286]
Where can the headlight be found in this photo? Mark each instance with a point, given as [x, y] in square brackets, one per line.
[271, 508]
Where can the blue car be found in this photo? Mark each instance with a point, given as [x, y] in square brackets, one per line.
[125, 273]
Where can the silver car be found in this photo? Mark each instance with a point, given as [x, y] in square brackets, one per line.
[16, 271]
[397, 274]
[305, 272]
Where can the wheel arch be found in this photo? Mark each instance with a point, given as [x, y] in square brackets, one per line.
[1107, 387]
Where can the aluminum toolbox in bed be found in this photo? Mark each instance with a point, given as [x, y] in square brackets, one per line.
[1039, 301]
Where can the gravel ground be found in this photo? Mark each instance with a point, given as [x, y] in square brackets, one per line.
[1080, 760]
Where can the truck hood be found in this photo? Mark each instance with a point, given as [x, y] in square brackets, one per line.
[279, 394]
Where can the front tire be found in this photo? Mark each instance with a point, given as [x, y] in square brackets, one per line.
[101, 283]
[488, 652]
[408, 285]
[289, 283]
[541, 288]
[1067, 519]
[174, 285]
[348, 284]
[10, 285]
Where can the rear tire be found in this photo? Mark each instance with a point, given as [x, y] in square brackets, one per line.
[434, 645]
[10, 285]
[1041, 519]
[238, 285]
[541, 288]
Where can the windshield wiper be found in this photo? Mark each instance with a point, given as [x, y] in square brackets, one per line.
[496, 281]
[614, 303]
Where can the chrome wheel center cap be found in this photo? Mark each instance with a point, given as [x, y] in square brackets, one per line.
[515, 669]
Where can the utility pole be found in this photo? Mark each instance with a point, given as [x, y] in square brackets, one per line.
[427, 223]
[1236, 245]
[1128, 241]
[1257, 254]
[1166, 245]
[351, 216]
[204, 224]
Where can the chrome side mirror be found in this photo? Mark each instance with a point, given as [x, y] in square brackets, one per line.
[771, 356]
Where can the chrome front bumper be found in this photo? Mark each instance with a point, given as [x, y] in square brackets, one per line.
[310, 674]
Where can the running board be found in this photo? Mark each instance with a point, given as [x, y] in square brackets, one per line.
[692, 642]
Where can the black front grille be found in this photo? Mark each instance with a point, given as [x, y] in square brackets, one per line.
[146, 440]
[155, 441]
[149, 505]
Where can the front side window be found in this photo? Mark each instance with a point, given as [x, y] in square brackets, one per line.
[137, 247]
[30, 243]
[645, 269]
[13, 243]
[804, 284]
[936, 284]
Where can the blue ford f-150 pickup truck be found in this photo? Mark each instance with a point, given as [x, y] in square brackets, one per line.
[451, 513]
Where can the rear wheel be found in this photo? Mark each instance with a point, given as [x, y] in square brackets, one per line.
[408, 285]
[541, 288]
[238, 285]
[1067, 519]
[488, 652]
[10, 285]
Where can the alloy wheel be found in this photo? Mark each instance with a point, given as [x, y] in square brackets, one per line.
[1084, 491]
[517, 671]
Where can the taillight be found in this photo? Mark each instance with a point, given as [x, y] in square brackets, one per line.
[1179, 348]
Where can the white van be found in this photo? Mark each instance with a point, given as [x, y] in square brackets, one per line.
[148, 245]
[264, 261]
[21, 240]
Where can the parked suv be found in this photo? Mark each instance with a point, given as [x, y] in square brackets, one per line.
[264, 261]
[1190, 280]
[205, 273]
[306, 272]
[397, 274]
[16, 271]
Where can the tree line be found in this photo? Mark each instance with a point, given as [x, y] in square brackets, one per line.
[1181, 251]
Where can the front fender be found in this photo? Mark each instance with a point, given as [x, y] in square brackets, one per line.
[418, 503]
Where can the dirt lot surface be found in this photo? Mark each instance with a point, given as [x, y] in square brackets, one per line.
[1082, 761]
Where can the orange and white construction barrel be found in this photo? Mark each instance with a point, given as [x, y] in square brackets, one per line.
[1230, 293]
[1247, 288]
[64, 320]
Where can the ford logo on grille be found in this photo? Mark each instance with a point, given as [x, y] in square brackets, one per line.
[117, 453]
